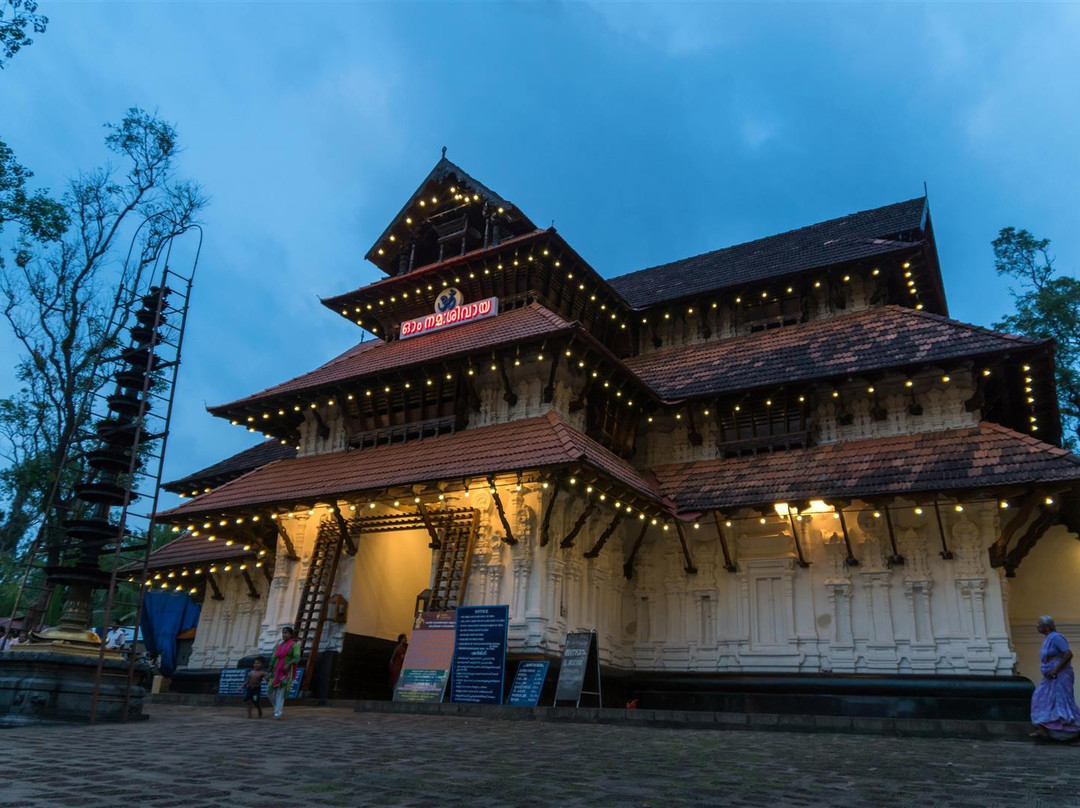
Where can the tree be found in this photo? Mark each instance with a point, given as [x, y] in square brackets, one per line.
[15, 17]
[1047, 305]
[58, 293]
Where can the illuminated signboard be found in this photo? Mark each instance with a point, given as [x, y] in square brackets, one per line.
[449, 310]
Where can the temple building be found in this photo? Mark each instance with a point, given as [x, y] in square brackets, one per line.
[781, 457]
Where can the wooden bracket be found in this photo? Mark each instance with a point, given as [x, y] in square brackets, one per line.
[690, 568]
[549, 391]
[269, 576]
[628, 565]
[545, 527]
[692, 435]
[579, 402]
[1027, 542]
[214, 587]
[290, 551]
[600, 542]
[502, 512]
[435, 543]
[838, 506]
[728, 564]
[999, 550]
[946, 553]
[321, 427]
[896, 559]
[343, 526]
[802, 562]
[568, 541]
[252, 591]
[509, 396]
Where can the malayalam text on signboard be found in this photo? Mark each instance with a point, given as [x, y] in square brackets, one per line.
[460, 314]
[479, 654]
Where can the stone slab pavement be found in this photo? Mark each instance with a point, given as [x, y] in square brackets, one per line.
[213, 757]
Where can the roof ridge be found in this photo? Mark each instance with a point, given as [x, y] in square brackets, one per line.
[772, 236]
[972, 327]
[562, 430]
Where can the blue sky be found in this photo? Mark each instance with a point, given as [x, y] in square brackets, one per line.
[646, 132]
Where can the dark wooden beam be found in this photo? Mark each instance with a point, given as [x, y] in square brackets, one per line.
[252, 591]
[545, 527]
[502, 512]
[999, 550]
[628, 565]
[1026, 543]
[946, 553]
[509, 396]
[568, 540]
[290, 551]
[690, 568]
[269, 576]
[549, 391]
[728, 564]
[214, 587]
[600, 542]
[435, 543]
[795, 538]
[838, 506]
[343, 526]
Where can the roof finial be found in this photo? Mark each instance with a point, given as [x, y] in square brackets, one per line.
[444, 152]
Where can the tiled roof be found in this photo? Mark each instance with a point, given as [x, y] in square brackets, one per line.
[372, 357]
[986, 456]
[189, 549]
[859, 235]
[232, 467]
[519, 445]
[878, 338]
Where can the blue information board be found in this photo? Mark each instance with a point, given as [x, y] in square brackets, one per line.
[528, 682]
[479, 668]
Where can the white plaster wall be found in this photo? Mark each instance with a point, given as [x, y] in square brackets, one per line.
[229, 629]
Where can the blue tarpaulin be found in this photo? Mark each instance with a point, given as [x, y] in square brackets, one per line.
[164, 616]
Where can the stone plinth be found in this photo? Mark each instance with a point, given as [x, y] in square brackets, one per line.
[50, 685]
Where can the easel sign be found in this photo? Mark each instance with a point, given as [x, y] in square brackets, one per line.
[580, 672]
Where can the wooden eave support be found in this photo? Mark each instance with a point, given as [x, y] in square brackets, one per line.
[549, 391]
[729, 565]
[343, 526]
[600, 542]
[509, 396]
[214, 587]
[253, 592]
[290, 550]
[545, 527]
[267, 574]
[568, 540]
[839, 505]
[895, 559]
[802, 562]
[1027, 542]
[502, 512]
[435, 543]
[690, 568]
[692, 433]
[946, 553]
[999, 550]
[628, 565]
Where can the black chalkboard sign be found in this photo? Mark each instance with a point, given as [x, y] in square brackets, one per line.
[580, 672]
[479, 654]
[528, 682]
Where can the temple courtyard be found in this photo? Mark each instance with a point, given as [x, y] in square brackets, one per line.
[206, 757]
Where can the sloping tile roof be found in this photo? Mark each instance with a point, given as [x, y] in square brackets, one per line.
[189, 549]
[859, 235]
[985, 456]
[232, 467]
[878, 338]
[375, 356]
[519, 445]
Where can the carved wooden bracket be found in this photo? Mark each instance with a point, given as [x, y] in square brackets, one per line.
[999, 550]
[290, 551]
[628, 565]
[343, 526]
[545, 527]
[502, 512]
[600, 542]
[690, 568]
[509, 396]
[728, 564]
[214, 587]
[252, 591]
[549, 391]
[568, 541]
[435, 543]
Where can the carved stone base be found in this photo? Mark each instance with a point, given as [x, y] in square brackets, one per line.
[52, 686]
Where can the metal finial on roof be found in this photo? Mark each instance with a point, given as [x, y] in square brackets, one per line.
[444, 152]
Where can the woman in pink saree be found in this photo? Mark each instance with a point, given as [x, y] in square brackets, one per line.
[282, 667]
[1053, 706]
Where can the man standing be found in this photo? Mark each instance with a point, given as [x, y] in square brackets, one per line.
[115, 639]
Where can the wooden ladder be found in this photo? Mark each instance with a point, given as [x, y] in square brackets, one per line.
[311, 613]
[452, 563]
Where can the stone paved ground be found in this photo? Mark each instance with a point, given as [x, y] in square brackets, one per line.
[192, 757]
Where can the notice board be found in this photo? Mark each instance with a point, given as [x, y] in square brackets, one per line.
[428, 659]
[580, 671]
[231, 682]
[479, 670]
[528, 682]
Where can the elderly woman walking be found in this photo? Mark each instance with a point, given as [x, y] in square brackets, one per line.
[1053, 706]
[283, 665]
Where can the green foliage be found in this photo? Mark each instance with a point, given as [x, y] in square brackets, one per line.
[58, 294]
[16, 16]
[1047, 306]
